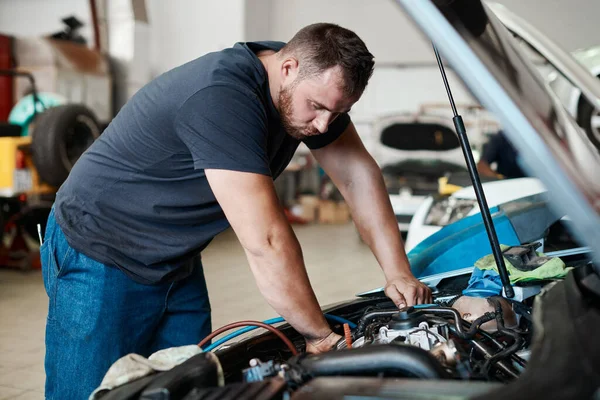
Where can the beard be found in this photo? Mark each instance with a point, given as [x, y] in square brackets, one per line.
[286, 110]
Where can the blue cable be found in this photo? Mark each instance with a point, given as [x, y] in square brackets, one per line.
[417, 306]
[271, 321]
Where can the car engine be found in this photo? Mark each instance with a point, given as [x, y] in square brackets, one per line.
[406, 327]
[429, 342]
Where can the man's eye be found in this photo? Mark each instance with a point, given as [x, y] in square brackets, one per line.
[315, 106]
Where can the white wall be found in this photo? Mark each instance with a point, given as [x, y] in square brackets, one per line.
[183, 30]
[258, 20]
[43, 17]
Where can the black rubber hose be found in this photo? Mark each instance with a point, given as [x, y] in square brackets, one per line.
[459, 331]
[509, 351]
[482, 349]
[362, 323]
[432, 310]
[391, 360]
[500, 346]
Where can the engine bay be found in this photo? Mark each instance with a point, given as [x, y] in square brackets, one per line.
[534, 346]
[427, 341]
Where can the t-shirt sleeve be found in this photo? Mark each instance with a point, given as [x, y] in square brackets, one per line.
[336, 128]
[225, 128]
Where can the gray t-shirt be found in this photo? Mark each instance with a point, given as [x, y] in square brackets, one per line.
[138, 198]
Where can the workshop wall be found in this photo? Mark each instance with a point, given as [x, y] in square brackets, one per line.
[406, 74]
[188, 28]
[42, 17]
[185, 29]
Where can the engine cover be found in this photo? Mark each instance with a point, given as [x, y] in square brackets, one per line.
[424, 336]
[409, 327]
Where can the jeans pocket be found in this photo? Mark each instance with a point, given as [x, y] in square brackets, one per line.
[53, 270]
[50, 275]
[61, 268]
[48, 267]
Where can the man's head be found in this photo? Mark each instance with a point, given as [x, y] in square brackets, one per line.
[322, 71]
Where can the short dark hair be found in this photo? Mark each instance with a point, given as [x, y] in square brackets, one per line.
[321, 46]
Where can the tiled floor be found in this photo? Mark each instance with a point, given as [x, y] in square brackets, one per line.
[338, 263]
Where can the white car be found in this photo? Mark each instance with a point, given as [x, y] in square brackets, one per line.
[437, 212]
[413, 153]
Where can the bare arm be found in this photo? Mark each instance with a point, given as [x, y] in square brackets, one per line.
[253, 210]
[359, 179]
[484, 169]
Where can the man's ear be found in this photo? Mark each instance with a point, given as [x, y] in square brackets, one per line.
[289, 70]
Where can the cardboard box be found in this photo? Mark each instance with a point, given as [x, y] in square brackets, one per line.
[308, 206]
[342, 213]
[331, 212]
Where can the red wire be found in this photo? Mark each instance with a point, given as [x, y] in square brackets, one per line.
[227, 327]
[348, 336]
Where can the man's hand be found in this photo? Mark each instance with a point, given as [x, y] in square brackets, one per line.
[407, 291]
[316, 346]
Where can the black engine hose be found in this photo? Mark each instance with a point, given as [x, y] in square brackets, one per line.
[484, 350]
[509, 351]
[362, 323]
[500, 346]
[370, 332]
[390, 359]
[459, 331]
[469, 334]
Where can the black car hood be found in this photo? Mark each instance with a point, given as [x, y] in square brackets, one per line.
[550, 144]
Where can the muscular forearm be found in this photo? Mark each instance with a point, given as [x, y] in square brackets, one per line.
[279, 271]
[372, 212]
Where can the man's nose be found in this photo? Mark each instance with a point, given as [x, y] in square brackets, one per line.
[321, 123]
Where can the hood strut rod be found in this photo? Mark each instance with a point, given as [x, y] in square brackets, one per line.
[485, 211]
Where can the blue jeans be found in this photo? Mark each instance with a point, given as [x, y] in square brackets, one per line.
[97, 314]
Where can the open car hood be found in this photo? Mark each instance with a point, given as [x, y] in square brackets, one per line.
[550, 144]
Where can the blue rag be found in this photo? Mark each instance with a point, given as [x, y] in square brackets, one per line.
[484, 283]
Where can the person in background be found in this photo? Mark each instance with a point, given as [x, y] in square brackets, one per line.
[500, 151]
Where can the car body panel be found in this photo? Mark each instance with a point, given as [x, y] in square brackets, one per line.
[460, 244]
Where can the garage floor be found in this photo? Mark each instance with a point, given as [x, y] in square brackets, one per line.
[339, 265]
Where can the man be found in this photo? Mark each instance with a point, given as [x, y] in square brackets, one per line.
[499, 150]
[193, 152]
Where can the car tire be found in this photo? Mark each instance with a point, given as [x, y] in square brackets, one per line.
[585, 116]
[61, 136]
